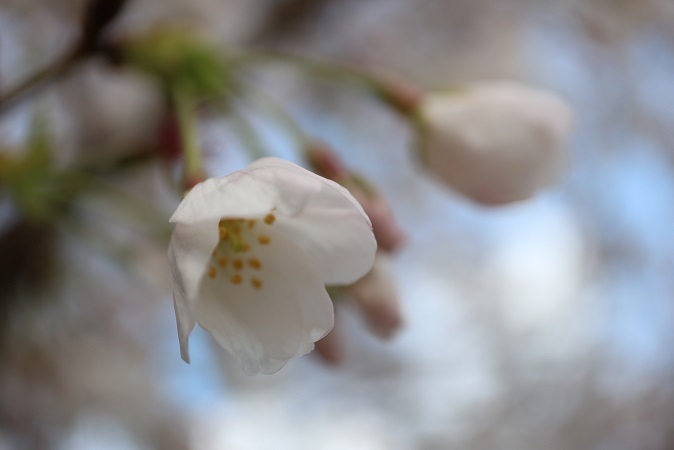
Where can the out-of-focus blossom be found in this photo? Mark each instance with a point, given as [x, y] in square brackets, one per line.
[496, 142]
[180, 60]
[251, 253]
[326, 163]
[377, 300]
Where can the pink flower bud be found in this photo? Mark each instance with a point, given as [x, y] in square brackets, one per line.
[377, 300]
[330, 348]
[325, 162]
[386, 230]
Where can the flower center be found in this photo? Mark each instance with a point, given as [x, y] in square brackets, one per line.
[235, 256]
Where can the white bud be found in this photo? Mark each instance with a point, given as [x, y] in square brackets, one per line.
[496, 142]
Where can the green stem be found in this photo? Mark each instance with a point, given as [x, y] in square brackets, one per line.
[402, 98]
[420, 143]
[323, 69]
[184, 104]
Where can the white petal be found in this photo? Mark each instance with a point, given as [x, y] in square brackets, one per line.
[283, 164]
[332, 227]
[335, 234]
[264, 328]
[247, 193]
[189, 252]
[185, 321]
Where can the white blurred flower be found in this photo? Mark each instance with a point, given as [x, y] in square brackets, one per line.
[251, 253]
[496, 142]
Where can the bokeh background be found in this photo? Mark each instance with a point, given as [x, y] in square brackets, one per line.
[547, 324]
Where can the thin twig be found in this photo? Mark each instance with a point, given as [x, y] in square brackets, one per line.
[39, 79]
[321, 69]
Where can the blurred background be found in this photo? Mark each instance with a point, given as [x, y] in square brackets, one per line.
[546, 324]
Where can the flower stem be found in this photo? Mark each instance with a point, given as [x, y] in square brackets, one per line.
[402, 97]
[320, 68]
[97, 17]
[194, 167]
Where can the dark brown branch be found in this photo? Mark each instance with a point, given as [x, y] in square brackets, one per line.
[286, 19]
[96, 18]
[38, 80]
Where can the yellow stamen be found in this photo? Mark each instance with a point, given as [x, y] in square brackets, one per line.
[236, 279]
[238, 264]
[239, 245]
[233, 231]
[263, 239]
[255, 263]
[257, 283]
[212, 272]
[222, 262]
[269, 219]
[222, 232]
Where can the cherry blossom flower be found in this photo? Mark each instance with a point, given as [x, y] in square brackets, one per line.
[496, 142]
[251, 254]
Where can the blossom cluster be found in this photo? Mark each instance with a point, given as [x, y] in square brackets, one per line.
[252, 251]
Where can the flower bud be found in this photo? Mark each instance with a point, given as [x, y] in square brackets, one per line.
[496, 142]
[377, 300]
[386, 230]
[325, 161]
[330, 348]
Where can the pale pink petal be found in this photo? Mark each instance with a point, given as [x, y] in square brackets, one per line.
[332, 227]
[283, 164]
[189, 252]
[335, 235]
[247, 193]
[267, 326]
